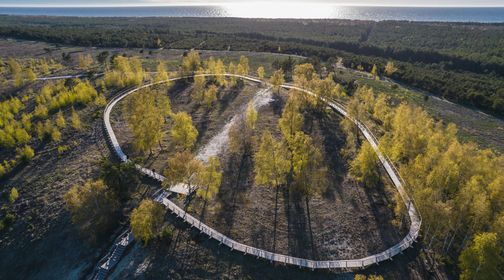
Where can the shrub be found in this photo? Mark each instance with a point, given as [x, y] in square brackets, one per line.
[25, 153]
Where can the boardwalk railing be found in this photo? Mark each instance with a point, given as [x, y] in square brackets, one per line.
[161, 195]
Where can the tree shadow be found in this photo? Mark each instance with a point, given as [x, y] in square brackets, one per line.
[232, 190]
[333, 141]
[382, 214]
[299, 242]
[229, 96]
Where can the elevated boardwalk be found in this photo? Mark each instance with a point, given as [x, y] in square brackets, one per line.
[161, 197]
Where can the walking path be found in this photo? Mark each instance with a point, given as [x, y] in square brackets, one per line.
[161, 197]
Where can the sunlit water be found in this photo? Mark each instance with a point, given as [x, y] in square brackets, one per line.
[277, 10]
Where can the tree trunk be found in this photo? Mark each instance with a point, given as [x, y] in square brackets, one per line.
[452, 238]
[310, 227]
[275, 221]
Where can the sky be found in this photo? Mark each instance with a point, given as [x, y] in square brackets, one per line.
[66, 3]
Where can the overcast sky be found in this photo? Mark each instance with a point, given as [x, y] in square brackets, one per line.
[195, 2]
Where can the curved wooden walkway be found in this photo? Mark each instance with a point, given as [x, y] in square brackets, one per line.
[161, 195]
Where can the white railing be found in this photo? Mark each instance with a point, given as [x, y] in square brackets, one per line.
[161, 195]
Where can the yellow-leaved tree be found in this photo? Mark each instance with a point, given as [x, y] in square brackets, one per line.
[146, 220]
[183, 133]
[209, 179]
[277, 79]
[364, 167]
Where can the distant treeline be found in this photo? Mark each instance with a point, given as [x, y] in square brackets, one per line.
[460, 61]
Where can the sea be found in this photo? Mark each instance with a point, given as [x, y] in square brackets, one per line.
[283, 10]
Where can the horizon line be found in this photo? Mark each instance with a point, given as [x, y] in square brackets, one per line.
[237, 4]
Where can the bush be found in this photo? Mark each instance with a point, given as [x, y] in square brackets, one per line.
[14, 195]
[166, 233]
[25, 153]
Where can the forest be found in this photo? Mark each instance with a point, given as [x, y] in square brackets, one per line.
[462, 62]
[457, 185]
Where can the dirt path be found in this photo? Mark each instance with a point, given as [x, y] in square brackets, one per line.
[220, 141]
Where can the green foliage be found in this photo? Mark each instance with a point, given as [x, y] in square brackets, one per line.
[100, 100]
[85, 61]
[125, 72]
[183, 133]
[251, 116]
[365, 166]
[7, 221]
[30, 75]
[482, 259]
[455, 185]
[292, 119]
[241, 139]
[427, 55]
[217, 68]
[93, 208]
[277, 79]
[121, 178]
[41, 112]
[307, 165]
[54, 97]
[6, 167]
[16, 72]
[75, 120]
[145, 119]
[161, 74]
[146, 220]
[243, 67]
[271, 162]
[304, 74]
[198, 87]
[166, 232]
[13, 195]
[26, 153]
[210, 96]
[62, 149]
[182, 168]
[60, 120]
[390, 68]
[209, 179]
[190, 63]
[260, 72]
